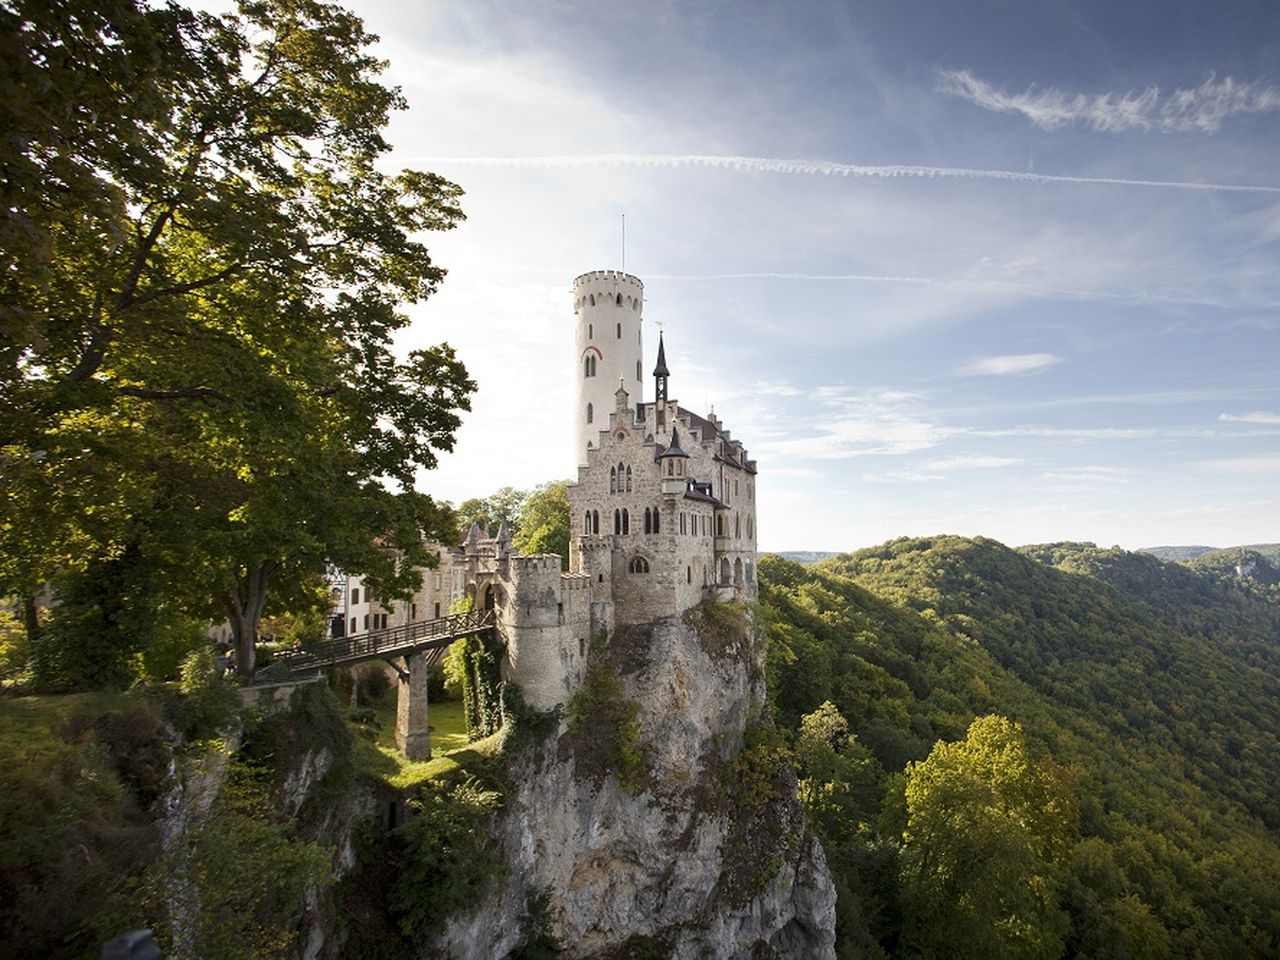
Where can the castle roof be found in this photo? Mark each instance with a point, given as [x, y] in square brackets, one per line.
[694, 493]
[674, 449]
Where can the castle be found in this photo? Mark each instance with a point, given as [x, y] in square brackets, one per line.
[663, 514]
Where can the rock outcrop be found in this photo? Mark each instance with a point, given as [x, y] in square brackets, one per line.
[656, 818]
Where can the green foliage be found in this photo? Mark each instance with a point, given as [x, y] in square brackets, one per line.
[491, 512]
[604, 730]
[15, 653]
[279, 740]
[439, 852]
[106, 614]
[174, 637]
[544, 522]
[1156, 687]
[538, 944]
[205, 268]
[79, 779]
[724, 630]
[988, 829]
[477, 663]
[208, 701]
[757, 788]
[250, 868]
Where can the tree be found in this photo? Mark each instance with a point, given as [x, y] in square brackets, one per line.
[202, 280]
[490, 512]
[988, 832]
[544, 521]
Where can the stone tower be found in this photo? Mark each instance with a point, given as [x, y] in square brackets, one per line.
[608, 306]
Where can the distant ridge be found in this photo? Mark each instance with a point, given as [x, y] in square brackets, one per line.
[805, 556]
[1176, 553]
[1181, 554]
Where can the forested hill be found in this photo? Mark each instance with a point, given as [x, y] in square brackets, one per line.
[1147, 699]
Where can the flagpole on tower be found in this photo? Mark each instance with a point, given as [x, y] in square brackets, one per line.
[624, 243]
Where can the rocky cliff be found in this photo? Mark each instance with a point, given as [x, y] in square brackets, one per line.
[656, 816]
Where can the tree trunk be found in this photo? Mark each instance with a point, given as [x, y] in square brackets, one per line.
[31, 621]
[245, 602]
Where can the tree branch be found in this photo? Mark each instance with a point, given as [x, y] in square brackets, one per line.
[180, 288]
[207, 394]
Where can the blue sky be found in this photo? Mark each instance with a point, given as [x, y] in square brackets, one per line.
[1006, 269]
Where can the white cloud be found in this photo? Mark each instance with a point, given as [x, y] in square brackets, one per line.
[1199, 109]
[856, 423]
[901, 476]
[1249, 466]
[1065, 433]
[971, 461]
[1010, 364]
[1089, 474]
[1254, 416]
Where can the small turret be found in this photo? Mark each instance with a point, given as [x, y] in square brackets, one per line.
[671, 463]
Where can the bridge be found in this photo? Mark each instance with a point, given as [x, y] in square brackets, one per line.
[410, 649]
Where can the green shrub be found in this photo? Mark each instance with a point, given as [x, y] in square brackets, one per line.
[604, 730]
[74, 823]
[443, 866]
[207, 703]
[250, 868]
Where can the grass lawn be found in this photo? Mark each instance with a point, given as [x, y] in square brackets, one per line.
[451, 751]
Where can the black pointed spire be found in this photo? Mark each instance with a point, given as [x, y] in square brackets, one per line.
[660, 374]
[673, 449]
[661, 369]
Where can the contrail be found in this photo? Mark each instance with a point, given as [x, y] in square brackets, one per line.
[970, 283]
[825, 169]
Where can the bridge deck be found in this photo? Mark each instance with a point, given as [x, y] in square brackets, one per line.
[418, 637]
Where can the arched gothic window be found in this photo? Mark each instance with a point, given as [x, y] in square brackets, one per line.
[586, 524]
[626, 521]
[655, 521]
[638, 565]
[737, 526]
[619, 300]
[617, 522]
[648, 521]
[593, 299]
[720, 525]
[589, 366]
[595, 521]
[591, 414]
[628, 479]
[613, 479]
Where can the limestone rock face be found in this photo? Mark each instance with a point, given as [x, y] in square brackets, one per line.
[702, 853]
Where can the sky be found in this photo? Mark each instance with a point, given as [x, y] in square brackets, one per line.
[999, 269]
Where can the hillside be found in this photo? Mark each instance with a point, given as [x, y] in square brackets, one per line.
[1154, 686]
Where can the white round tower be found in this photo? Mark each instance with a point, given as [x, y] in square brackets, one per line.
[608, 306]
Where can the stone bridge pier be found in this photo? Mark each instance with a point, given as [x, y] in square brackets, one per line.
[413, 736]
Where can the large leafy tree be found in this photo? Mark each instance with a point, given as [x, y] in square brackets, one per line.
[202, 279]
[989, 828]
[544, 521]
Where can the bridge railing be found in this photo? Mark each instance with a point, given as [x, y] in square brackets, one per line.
[380, 643]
